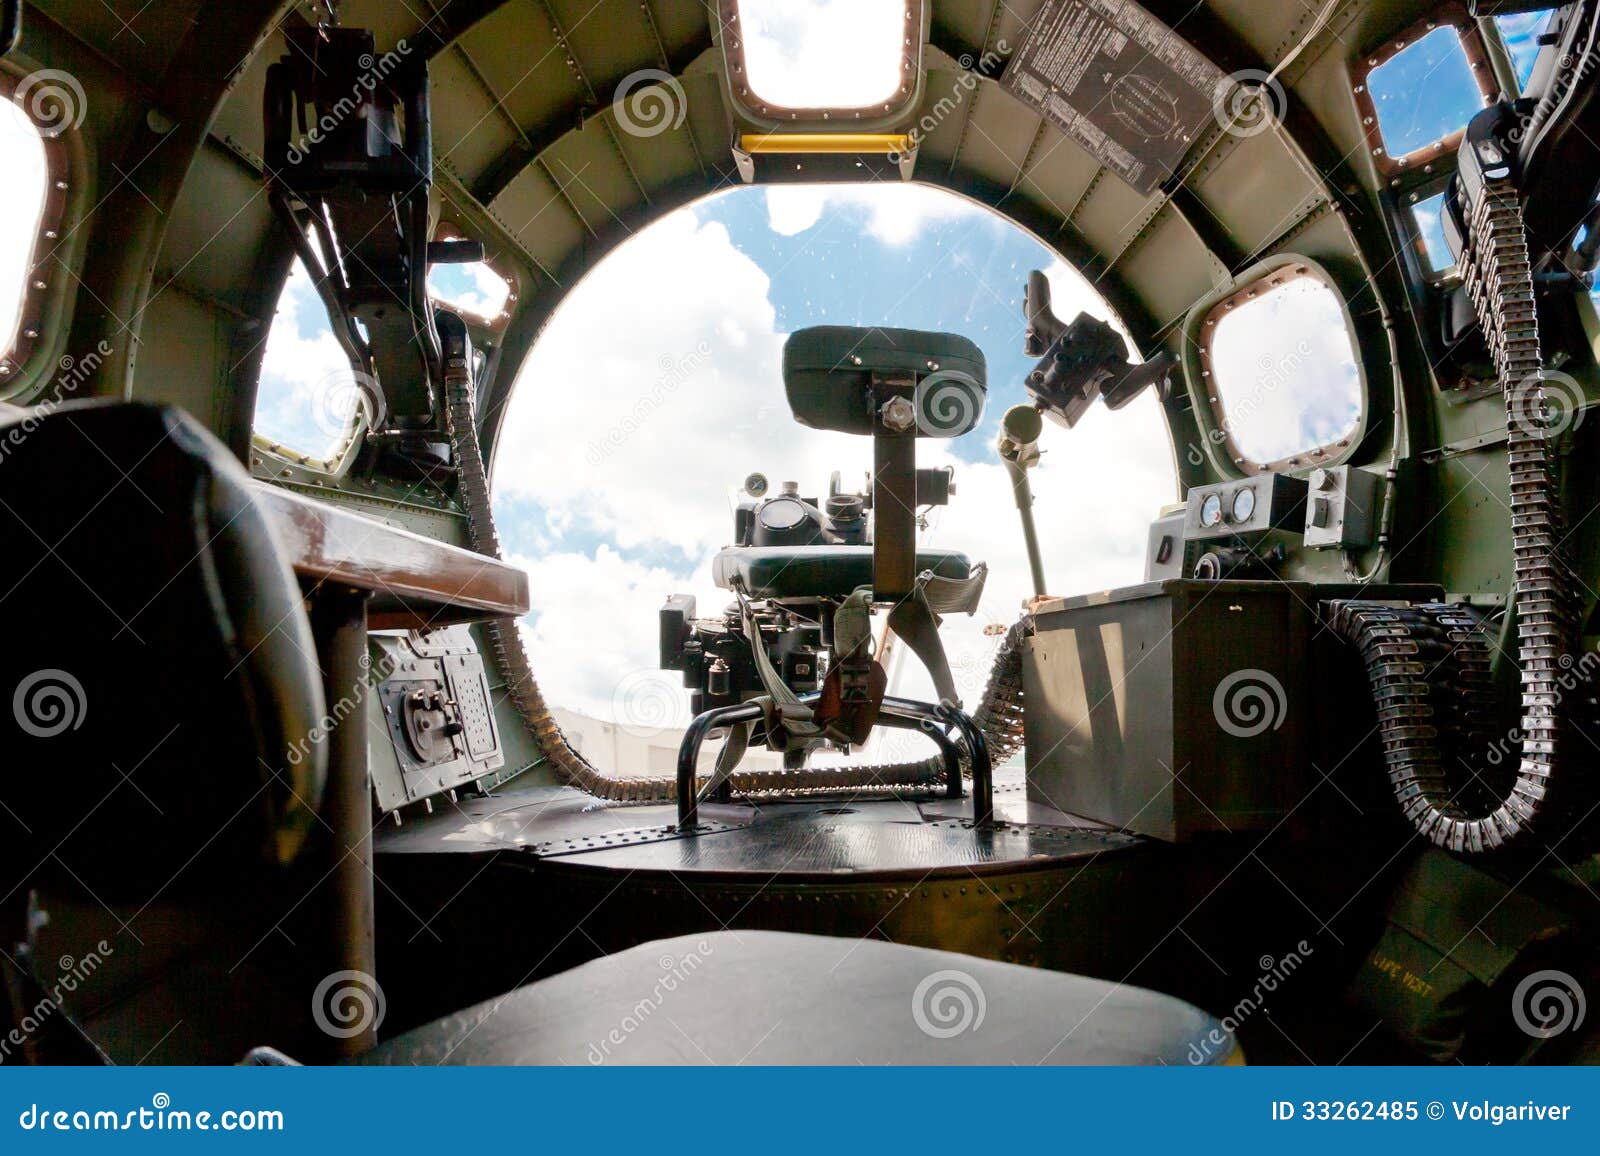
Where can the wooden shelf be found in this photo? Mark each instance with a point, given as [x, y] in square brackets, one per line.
[416, 583]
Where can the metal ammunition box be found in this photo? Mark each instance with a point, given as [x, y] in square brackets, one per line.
[1179, 707]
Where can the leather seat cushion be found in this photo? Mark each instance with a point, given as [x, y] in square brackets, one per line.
[828, 371]
[161, 668]
[774, 998]
[816, 571]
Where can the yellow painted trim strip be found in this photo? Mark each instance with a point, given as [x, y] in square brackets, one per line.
[791, 143]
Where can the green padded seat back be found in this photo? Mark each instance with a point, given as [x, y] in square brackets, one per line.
[816, 571]
[827, 371]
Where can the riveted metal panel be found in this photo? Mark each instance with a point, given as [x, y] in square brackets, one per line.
[1254, 186]
[536, 212]
[515, 49]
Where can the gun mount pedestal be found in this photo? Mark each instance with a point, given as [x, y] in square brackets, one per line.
[791, 664]
[934, 721]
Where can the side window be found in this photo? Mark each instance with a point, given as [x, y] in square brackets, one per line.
[308, 406]
[1521, 32]
[1427, 215]
[472, 288]
[25, 195]
[1278, 363]
[1417, 93]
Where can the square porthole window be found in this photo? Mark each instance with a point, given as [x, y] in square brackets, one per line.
[1278, 363]
[1417, 93]
[815, 59]
[1521, 32]
[470, 288]
[1427, 215]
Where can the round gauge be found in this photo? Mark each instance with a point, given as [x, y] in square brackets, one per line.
[1211, 510]
[1244, 505]
[781, 514]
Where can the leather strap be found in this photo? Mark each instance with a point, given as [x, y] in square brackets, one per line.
[914, 621]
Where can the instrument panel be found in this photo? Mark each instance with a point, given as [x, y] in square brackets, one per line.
[1247, 506]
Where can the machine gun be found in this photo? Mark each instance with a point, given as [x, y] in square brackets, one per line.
[790, 663]
[1080, 361]
[349, 156]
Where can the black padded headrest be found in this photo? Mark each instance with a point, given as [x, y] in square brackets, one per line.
[160, 672]
[827, 371]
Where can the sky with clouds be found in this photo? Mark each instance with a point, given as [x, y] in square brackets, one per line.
[860, 41]
[1284, 365]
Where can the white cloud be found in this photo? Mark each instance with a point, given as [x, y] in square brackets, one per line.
[822, 53]
[1284, 366]
[792, 209]
[657, 429]
[306, 398]
[472, 288]
[895, 214]
[595, 629]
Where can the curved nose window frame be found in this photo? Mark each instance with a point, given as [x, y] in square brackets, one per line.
[1220, 446]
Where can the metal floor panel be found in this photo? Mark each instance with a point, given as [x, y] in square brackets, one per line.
[891, 837]
[818, 843]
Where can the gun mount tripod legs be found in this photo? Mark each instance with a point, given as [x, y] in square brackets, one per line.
[935, 721]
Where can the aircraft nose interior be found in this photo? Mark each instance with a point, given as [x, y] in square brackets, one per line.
[288, 763]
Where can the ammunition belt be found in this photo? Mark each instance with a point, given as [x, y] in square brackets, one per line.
[1429, 668]
[999, 713]
[1428, 665]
